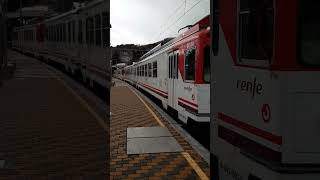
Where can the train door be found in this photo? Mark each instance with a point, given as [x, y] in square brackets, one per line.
[173, 77]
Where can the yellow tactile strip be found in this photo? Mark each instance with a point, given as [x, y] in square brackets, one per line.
[128, 111]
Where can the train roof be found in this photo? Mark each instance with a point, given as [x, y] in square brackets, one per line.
[73, 11]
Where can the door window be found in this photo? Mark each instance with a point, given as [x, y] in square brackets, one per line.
[190, 65]
[206, 65]
[256, 24]
[309, 32]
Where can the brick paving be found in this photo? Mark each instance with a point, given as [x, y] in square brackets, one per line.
[128, 111]
[45, 133]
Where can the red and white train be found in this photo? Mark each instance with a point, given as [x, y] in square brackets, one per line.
[265, 99]
[78, 40]
[178, 73]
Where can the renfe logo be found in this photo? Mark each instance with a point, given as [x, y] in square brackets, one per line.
[252, 88]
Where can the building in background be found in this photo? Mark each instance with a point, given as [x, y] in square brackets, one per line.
[129, 53]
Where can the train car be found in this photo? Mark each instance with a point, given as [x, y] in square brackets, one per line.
[78, 40]
[3, 37]
[178, 74]
[265, 99]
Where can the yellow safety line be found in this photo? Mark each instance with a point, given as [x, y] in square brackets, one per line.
[195, 166]
[186, 155]
[153, 114]
[82, 102]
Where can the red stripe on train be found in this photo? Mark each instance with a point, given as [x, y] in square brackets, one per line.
[190, 103]
[251, 129]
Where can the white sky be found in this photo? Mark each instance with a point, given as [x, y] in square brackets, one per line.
[148, 21]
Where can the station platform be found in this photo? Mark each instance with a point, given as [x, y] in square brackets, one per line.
[47, 130]
[144, 145]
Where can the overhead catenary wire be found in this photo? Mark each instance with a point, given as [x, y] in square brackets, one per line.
[170, 16]
[178, 20]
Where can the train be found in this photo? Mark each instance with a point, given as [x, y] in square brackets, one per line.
[265, 99]
[78, 41]
[177, 73]
[3, 36]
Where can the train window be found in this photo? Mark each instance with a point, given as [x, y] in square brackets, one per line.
[309, 32]
[74, 31]
[105, 30]
[155, 73]
[87, 30]
[142, 70]
[145, 70]
[190, 65]
[98, 29]
[60, 32]
[69, 32]
[57, 32]
[91, 31]
[206, 64]
[170, 65]
[256, 23]
[149, 70]
[177, 65]
[64, 31]
[80, 32]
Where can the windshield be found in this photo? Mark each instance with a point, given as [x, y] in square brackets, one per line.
[310, 32]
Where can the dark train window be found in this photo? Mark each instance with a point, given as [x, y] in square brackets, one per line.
[309, 32]
[80, 32]
[177, 66]
[142, 70]
[149, 70]
[55, 33]
[256, 21]
[98, 29]
[56, 37]
[74, 31]
[64, 31]
[91, 31]
[190, 65]
[106, 29]
[155, 71]
[145, 70]
[60, 32]
[87, 31]
[206, 64]
[170, 65]
[69, 31]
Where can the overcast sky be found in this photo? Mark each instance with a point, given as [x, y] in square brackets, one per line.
[148, 21]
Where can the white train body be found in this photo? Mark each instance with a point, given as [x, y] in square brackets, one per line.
[265, 102]
[177, 74]
[79, 40]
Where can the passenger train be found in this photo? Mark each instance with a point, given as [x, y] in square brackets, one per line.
[177, 73]
[3, 36]
[265, 99]
[78, 40]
